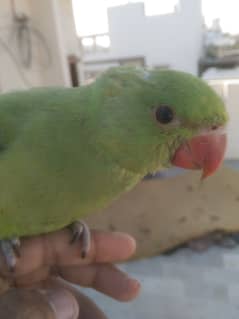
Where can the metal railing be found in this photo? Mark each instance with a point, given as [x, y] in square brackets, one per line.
[95, 43]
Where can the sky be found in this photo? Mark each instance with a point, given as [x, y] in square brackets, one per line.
[91, 15]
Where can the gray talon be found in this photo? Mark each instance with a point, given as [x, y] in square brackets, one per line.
[16, 244]
[80, 231]
[11, 251]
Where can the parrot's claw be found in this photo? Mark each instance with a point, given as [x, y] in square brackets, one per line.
[11, 251]
[80, 231]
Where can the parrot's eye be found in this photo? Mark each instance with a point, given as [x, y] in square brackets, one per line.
[164, 114]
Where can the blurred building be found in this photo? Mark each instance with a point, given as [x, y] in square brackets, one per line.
[215, 36]
[173, 40]
[221, 50]
[38, 44]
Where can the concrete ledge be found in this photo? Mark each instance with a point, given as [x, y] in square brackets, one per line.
[163, 213]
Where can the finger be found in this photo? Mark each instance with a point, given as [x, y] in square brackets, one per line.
[105, 278]
[30, 303]
[88, 309]
[62, 302]
[105, 247]
[33, 278]
[54, 249]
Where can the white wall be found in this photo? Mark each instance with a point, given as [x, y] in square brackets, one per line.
[46, 17]
[12, 75]
[54, 20]
[229, 91]
[233, 127]
[68, 27]
[172, 39]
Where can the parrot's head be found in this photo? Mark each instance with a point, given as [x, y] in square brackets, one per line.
[160, 118]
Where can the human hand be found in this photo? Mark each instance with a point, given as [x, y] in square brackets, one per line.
[40, 283]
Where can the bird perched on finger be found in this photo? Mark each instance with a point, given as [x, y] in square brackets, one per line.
[68, 152]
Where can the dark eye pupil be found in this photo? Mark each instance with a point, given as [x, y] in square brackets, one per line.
[164, 114]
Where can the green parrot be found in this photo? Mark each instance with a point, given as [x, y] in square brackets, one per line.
[68, 152]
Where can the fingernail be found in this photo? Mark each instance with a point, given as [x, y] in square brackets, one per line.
[63, 304]
[136, 284]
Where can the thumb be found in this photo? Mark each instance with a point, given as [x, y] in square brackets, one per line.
[38, 304]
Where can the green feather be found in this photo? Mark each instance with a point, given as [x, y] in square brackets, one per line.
[67, 152]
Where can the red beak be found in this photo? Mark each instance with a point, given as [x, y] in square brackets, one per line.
[205, 152]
